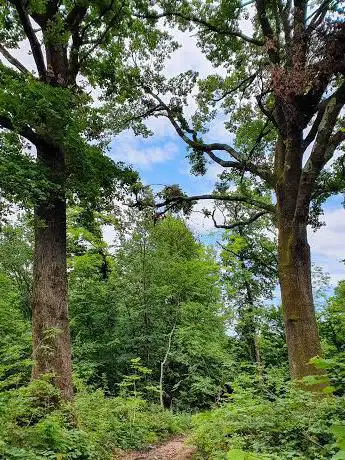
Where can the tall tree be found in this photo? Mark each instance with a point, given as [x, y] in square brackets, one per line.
[50, 112]
[160, 303]
[282, 98]
[249, 272]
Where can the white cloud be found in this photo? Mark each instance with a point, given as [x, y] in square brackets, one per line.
[141, 152]
[187, 57]
[199, 223]
[327, 244]
[328, 241]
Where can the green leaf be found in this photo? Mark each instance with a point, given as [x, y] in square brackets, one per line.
[238, 454]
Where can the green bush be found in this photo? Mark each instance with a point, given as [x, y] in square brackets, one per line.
[35, 424]
[299, 425]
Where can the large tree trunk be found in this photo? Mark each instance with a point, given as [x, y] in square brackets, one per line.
[297, 298]
[50, 325]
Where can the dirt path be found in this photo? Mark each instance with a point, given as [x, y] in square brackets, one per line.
[174, 449]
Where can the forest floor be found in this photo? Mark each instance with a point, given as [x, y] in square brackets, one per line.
[173, 449]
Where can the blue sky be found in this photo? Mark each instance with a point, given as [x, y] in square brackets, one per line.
[161, 160]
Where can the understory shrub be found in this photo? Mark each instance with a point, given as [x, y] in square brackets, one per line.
[35, 424]
[298, 425]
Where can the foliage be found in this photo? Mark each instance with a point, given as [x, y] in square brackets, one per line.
[332, 321]
[15, 337]
[160, 279]
[296, 425]
[15, 294]
[51, 106]
[249, 275]
[34, 426]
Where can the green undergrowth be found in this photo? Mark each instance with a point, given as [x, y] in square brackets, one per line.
[252, 425]
[36, 425]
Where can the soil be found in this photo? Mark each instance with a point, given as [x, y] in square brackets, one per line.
[173, 449]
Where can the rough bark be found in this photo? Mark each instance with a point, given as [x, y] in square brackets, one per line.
[297, 298]
[50, 324]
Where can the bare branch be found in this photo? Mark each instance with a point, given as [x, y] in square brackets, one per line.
[163, 363]
[318, 16]
[240, 163]
[314, 129]
[267, 207]
[240, 223]
[12, 60]
[266, 112]
[249, 80]
[33, 40]
[325, 145]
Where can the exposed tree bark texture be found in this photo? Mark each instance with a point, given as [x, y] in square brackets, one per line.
[51, 333]
[294, 260]
[297, 298]
[50, 324]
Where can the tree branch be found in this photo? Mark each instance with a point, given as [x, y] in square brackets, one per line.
[318, 16]
[267, 113]
[108, 27]
[314, 129]
[268, 208]
[12, 60]
[284, 12]
[239, 164]
[249, 80]
[75, 17]
[267, 31]
[336, 139]
[323, 150]
[240, 223]
[34, 43]
[270, 268]
[72, 23]
[204, 23]
[24, 131]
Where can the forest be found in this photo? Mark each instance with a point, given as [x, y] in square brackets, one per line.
[166, 170]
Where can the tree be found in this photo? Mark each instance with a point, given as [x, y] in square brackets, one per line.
[169, 311]
[15, 305]
[282, 97]
[332, 321]
[249, 273]
[16, 260]
[92, 302]
[161, 304]
[48, 123]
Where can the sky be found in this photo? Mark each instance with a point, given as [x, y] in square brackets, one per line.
[161, 160]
